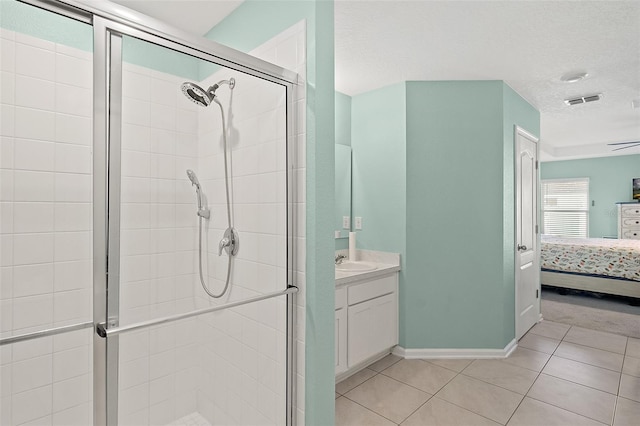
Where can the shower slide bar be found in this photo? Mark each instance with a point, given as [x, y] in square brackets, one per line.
[45, 333]
[108, 332]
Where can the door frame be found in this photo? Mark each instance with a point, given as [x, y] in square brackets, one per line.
[517, 130]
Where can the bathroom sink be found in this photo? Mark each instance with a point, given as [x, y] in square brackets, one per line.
[356, 266]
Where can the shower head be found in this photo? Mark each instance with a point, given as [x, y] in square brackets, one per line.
[197, 94]
[204, 97]
[193, 178]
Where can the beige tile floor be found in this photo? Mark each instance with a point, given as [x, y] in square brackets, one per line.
[559, 375]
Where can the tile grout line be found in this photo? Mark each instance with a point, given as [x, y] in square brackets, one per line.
[617, 396]
[538, 376]
[526, 394]
[367, 408]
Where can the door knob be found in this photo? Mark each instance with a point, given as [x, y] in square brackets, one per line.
[521, 248]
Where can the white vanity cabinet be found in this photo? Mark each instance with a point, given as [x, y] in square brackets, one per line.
[371, 308]
[341, 331]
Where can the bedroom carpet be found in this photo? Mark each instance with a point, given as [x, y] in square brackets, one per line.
[612, 316]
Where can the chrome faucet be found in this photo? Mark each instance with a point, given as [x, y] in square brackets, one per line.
[340, 258]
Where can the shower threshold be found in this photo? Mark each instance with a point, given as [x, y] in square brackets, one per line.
[193, 419]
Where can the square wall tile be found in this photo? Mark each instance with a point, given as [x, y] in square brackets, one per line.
[32, 311]
[34, 61]
[71, 392]
[34, 93]
[33, 280]
[73, 129]
[31, 374]
[32, 248]
[73, 158]
[31, 405]
[71, 246]
[33, 217]
[73, 275]
[74, 100]
[73, 188]
[33, 186]
[7, 87]
[74, 71]
[24, 124]
[33, 155]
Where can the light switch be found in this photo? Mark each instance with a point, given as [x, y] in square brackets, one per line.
[358, 222]
[345, 222]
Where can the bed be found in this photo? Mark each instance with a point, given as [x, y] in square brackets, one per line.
[601, 265]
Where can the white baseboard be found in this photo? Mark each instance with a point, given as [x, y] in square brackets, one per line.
[455, 353]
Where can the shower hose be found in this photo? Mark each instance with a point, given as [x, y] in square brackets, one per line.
[200, 218]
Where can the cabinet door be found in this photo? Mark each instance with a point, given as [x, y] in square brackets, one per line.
[341, 341]
[372, 328]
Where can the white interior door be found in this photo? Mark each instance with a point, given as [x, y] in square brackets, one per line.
[527, 258]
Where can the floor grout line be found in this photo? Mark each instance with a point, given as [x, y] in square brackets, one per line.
[537, 377]
[525, 395]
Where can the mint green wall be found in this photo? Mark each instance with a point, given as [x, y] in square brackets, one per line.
[161, 59]
[433, 180]
[609, 182]
[343, 119]
[379, 168]
[36, 22]
[454, 293]
[40, 23]
[251, 24]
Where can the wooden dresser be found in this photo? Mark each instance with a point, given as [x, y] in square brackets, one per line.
[629, 221]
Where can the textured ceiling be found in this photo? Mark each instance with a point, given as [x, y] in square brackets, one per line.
[528, 44]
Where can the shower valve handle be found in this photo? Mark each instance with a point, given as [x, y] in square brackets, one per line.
[225, 242]
[229, 242]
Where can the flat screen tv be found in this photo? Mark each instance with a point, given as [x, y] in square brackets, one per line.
[636, 189]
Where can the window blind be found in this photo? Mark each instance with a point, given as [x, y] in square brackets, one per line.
[565, 207]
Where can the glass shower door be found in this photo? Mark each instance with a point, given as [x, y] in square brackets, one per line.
[45, 217]
[173, 239]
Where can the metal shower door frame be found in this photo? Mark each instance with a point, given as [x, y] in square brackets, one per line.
[107, 147]
[107, 187]
[110, 22]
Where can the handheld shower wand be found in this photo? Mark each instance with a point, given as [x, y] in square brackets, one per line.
[202, 212]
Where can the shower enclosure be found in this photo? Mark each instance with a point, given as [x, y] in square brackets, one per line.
[109, 260]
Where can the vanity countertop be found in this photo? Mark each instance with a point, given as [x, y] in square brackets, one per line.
[386, 263]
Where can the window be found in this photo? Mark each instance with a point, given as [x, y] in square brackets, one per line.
[565, 207]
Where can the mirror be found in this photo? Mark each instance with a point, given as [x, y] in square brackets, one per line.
[342, 190]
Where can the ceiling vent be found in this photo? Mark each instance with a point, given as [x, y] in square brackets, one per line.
[583, 99]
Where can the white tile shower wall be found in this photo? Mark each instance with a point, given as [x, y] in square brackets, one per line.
[45, 228]
[243, 358]
[158, 366]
